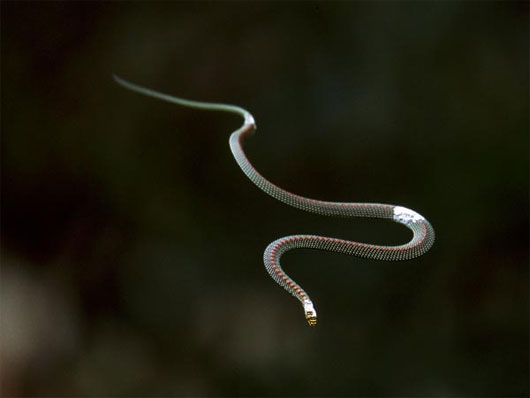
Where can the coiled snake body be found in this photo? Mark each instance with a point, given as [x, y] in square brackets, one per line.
[423, 233]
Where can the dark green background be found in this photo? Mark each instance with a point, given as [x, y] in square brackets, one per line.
[132, 243]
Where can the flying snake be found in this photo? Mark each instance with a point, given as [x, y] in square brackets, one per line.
[422, 231]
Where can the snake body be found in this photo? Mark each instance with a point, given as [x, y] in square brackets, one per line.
[422, 231]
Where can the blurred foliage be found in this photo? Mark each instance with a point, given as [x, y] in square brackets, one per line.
[132, 243]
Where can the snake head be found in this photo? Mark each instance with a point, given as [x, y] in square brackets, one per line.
[310, 313]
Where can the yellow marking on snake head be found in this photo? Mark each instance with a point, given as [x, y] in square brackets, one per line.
[311, 319]
[310, 313]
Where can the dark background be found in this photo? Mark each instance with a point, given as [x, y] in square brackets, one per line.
[132, 243]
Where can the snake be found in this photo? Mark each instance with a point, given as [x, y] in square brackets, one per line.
[422, 231]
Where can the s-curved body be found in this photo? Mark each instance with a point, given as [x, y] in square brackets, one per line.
[422, 231]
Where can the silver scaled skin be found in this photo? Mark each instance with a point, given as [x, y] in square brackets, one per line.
[422, 231]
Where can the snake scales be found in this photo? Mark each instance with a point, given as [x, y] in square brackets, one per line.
[422, 231]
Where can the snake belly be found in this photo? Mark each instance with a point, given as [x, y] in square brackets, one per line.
[422, 231]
